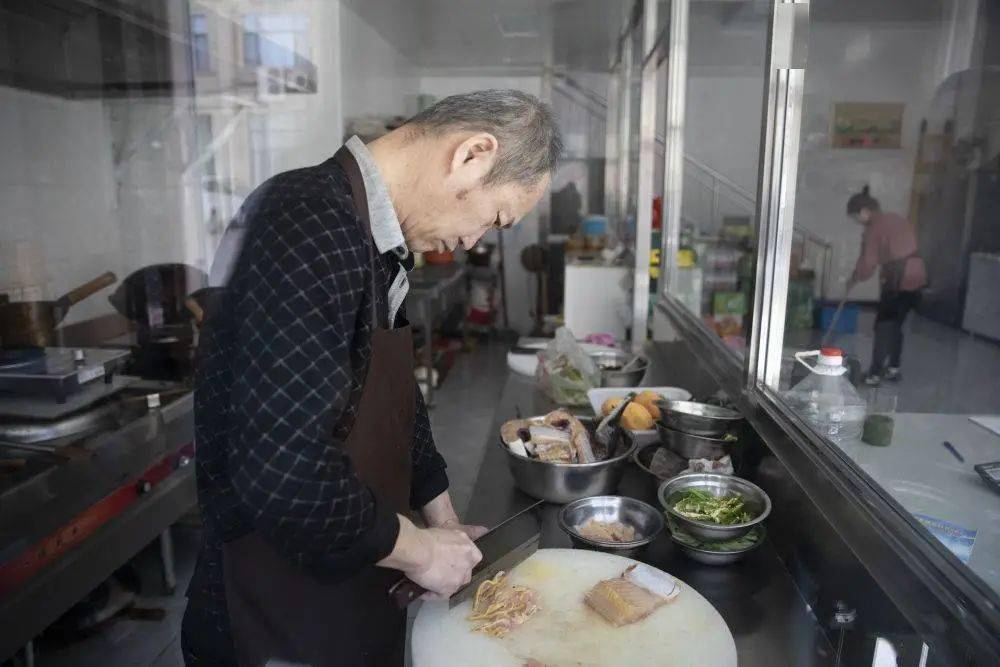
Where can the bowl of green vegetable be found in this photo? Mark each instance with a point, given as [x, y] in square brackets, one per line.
[713, 507]
[715, 553]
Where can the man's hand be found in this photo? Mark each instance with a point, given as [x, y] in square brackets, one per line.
[451, 557]
[474, 532]
[440, 513]
[439, 559]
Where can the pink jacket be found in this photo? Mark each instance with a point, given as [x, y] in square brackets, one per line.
[889, 237]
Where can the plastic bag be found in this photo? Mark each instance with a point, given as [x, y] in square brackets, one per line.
[723, 466]
[565, 371]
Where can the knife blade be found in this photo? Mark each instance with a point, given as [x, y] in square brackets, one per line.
[506, 545]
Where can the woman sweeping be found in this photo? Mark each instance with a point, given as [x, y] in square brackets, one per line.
[889, 242]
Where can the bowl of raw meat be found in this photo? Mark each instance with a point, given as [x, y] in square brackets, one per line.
[558, 458]
[615, 524]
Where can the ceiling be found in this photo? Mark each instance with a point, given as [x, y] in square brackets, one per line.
[576, 34]
[503, 34]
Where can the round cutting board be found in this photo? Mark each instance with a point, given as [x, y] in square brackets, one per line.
[687, 631]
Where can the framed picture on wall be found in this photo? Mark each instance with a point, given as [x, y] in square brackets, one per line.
[867, 125]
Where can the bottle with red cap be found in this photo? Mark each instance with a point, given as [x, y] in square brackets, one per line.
[826, 398]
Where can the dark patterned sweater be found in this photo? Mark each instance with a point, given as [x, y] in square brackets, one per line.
[281, 366]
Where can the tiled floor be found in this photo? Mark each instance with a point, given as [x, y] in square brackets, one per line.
[944, 369]
[462, 415]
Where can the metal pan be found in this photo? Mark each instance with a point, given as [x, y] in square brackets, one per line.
[33, 323]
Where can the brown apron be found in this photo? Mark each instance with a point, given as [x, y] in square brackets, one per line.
[279, 611]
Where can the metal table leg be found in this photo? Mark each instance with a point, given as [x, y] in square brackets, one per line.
[167, 560]
[28, 655]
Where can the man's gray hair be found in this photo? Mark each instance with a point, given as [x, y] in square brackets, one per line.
[525, 128]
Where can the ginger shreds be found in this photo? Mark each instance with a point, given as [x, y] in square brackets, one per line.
[502, 607]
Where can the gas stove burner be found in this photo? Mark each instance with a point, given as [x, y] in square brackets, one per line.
[59, 372]
[22, 359]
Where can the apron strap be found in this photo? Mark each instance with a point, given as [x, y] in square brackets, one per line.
[360, 197]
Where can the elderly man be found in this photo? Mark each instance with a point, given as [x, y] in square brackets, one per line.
[313, 441]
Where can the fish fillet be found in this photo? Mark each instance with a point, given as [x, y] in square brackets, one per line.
[621, 601]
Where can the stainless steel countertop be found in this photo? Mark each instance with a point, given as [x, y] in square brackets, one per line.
[757, 598]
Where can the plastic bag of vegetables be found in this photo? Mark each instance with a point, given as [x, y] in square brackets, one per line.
[565, 371]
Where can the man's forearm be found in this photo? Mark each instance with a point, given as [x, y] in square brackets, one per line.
[411, 550]
[440, 511]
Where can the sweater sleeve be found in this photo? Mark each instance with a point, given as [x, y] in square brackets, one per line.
[296, 314]
[429, 479]
[869, 256]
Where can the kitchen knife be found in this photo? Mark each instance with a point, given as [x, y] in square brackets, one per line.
[503, 547]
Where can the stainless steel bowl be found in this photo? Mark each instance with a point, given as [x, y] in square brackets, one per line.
[646, 519]
[702, 419]
[642, 458]
[712, 557]
[693, 446]
[718, 485]
[610, 359]
[566, 482]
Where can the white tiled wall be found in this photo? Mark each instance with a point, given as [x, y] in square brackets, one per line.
[377, 79]
[849, 61]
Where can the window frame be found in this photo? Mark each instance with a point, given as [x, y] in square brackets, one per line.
[954, 610]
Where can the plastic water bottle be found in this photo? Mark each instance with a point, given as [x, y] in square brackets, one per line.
[826, 397]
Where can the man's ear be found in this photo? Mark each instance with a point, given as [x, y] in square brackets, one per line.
[474, 157]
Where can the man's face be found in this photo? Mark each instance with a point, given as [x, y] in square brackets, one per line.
[456, 208]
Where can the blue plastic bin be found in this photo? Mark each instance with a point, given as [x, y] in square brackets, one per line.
[848, 322]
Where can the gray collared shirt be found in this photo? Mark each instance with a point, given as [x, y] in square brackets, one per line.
[386, 230]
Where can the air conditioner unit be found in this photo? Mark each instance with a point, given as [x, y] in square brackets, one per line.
[300, 79]
[271, 84]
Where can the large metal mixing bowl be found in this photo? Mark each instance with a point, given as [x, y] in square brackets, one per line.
[566, 482]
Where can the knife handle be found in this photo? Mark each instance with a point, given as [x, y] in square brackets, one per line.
[405, 591]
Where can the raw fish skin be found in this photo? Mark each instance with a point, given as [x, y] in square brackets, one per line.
[653, 580]
[518, 448]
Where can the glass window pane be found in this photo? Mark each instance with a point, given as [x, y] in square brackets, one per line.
[725, 83]
[894, 259]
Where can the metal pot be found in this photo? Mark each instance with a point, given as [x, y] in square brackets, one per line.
[693, 446]
[33, 323]
[612, 365]
[702, 419]
[566, 482]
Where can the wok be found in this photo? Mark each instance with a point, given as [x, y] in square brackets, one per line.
[153, 296]
[33, 323]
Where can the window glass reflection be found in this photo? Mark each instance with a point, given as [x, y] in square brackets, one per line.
[894, 245]
[725, 82]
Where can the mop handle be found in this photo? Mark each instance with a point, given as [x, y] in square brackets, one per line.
[833, 321]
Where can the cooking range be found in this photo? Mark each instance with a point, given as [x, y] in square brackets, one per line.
[93, 467]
